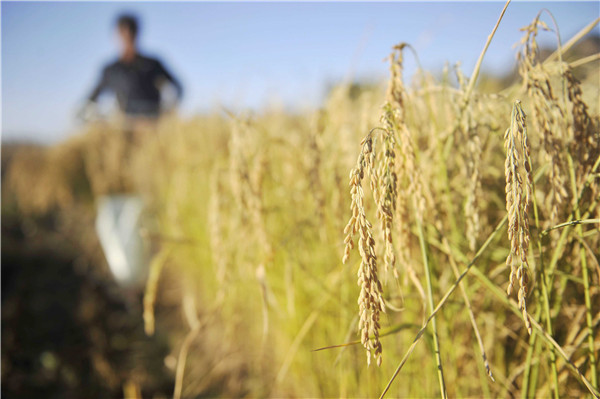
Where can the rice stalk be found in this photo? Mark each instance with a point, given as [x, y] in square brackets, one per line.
[370, 299]
[436, 342]
[586, 283]
[472, 152]
[407, 177]
[386, 204]
[584, 131]
[151, 289]
[216, 226]
[547, 115]
[443, 301]
[518, 198]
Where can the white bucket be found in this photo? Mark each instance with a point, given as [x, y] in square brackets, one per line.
[118, 228]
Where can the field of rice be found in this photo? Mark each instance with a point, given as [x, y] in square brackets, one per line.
[427, 237]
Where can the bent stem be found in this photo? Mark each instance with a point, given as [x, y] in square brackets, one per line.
[465, 296]
[443, 301]
[529, 383]
[512, 305]
[545, 295]
[586, 280]
[571, 223]
[436, 343]
[151, 288]
[183, 352]
[560, 51]
[475, 73]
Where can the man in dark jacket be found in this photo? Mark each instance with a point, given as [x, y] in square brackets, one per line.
[134, 79]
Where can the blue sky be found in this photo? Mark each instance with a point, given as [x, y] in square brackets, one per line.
[243, 54]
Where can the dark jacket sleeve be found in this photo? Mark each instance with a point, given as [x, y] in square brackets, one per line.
[169, 77]
[100, 87]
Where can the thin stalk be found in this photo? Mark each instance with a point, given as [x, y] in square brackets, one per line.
[436, 343]
[568, 277]
[585, 60]
[533, 346]
[530, 392]
[572, 41]
[445, 181]
[181, 360]
[469, 309]
[395, 329]
[562, 241]
[546, 306]
[514, 307]
[560, 60]
[443, 301]
[305, 329]
[586, 281]
[475, 73]
[447, 193]
[150, 291]
[571, 223]
[545, 295]
[564, 234]
[590, 250]
[483, 380]
[527, 390]
[510, 303]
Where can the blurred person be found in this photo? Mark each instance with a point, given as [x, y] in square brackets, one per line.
[135, 79]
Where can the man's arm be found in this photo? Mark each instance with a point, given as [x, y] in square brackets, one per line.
[170, 78]
[100, 87]
[88, 111]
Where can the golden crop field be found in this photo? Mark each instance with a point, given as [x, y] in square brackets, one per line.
[431, 237]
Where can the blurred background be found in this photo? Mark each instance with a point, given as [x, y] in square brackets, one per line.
[263, 84]
[256, 54]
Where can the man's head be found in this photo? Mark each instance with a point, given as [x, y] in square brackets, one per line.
[127, 28]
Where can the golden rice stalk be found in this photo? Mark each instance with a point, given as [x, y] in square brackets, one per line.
[395, 90]
[474, 188]
[584, 131]
[156, 266]
[547, 116]
[370, 300]
[393, 120]
[468, 128]
[399, 199]
[386, 204]
[247, 167]
[238, 166]
[472, 173]
[215, 222]
[519, 187]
